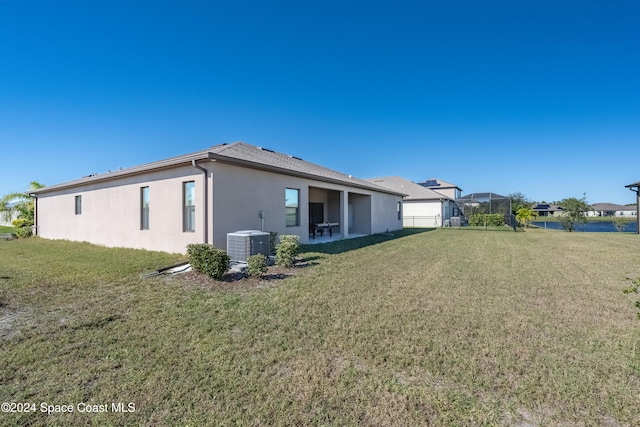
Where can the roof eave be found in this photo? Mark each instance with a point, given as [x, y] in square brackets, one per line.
[205, 155]
[136, 170]
[285, 171]
[635, 184]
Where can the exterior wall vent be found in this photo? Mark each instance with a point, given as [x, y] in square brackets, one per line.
[242, 244]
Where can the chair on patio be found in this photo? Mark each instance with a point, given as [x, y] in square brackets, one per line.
[313, 230]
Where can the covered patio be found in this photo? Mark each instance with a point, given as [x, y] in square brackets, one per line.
[335, 215]
[336, 237]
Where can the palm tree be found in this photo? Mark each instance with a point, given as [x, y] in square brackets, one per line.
[19, 209]
[524, 215]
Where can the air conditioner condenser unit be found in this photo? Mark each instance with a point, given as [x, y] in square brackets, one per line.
[242, 244]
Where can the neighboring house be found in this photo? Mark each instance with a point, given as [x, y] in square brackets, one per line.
[421, 207]
[443, 187]
[547, 209]
[13, 216]
[612, 209]
[200, 197]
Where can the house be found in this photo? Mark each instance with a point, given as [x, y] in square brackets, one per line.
[203, 196]
[421, 207]
[547, 209]
[443, 187]
[7, 218]
[612, 209]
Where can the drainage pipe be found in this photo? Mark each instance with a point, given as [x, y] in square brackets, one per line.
[172, 269]
[205, 211]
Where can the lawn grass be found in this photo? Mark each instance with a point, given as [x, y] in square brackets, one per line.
[427, 327]
[7, 229]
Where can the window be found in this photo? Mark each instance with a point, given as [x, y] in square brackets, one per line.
[144, 208]
[399, 210]
[189, 206]
[292, 207]
[78, 205]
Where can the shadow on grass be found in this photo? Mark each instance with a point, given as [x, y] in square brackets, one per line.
[98, 323]
[239, 277]
[346, 245]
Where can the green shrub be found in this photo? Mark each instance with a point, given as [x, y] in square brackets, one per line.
[23, 227]
[273, 235]
[287, 250]
[208, 259]
[634, 288]
[24, 232]
[257, 265]
[486, 219]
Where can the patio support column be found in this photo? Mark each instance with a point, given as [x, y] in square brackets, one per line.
[637, 191]
[637, 210]
[344, 214]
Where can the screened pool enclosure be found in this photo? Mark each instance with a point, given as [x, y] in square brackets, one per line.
[486, 203]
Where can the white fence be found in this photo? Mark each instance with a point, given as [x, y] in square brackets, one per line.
[421, 221]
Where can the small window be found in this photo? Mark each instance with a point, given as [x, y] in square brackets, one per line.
[292, 207]
[399, 210]
[78, 205]
[189, 206]
[144, 208]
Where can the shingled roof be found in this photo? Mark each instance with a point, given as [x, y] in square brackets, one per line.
[241, 154]
[611, 207]
[436, 183]
[411, 189]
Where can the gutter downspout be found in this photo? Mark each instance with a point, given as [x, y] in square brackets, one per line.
[205, 214]
[35, 214]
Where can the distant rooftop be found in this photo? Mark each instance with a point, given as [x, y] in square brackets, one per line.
[612, 207]
[411, 189]
[438, 184]
[546, 207]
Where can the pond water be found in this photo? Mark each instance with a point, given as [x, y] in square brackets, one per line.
[606, 226]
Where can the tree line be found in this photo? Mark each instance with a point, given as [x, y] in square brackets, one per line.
[574, 210]
[19, 209]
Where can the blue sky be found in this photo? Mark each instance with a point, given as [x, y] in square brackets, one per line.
[538, 97]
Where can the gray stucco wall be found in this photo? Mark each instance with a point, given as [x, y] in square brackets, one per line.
[111, 212]
[240, 193]
[111, 209]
